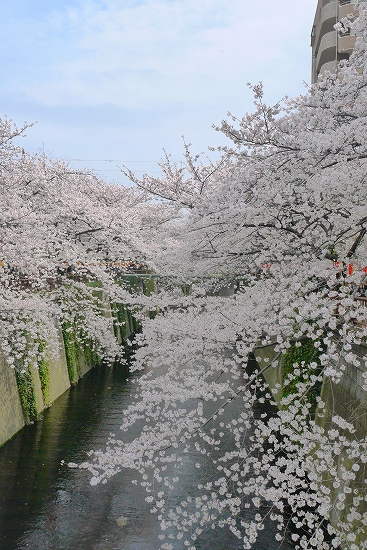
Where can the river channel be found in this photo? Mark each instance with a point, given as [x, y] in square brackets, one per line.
[44, 505]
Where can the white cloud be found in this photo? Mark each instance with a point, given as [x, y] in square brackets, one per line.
[120, 79]
[163, 52]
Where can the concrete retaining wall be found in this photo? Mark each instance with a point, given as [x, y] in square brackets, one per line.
[12, 418]
[11, 414]
[346, 399]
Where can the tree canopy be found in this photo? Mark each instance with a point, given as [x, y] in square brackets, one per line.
[280, 216]
[279, 219]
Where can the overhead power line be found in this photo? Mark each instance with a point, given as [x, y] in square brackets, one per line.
[116, 160]
[109, 170]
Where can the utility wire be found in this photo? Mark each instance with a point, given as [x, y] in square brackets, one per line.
[114, 160]
[108, 170]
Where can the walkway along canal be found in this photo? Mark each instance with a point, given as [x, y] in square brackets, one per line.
[44, 505]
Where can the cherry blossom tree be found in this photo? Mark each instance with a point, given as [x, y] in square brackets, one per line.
[281, 219]
[62, 233]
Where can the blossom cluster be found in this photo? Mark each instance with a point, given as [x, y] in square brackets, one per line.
[256, 262]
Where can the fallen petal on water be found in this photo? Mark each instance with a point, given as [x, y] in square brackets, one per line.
[121, 521]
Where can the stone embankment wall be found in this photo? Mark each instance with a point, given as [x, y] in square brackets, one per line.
[24, 397]
[346, 399]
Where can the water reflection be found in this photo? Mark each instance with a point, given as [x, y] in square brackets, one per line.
[44, 505]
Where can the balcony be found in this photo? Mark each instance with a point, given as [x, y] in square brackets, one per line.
[330, 66]
[346, 43]
[327, 50]
[324, 23]
[346, 9]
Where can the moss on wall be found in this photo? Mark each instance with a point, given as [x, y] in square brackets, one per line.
[186, 289]
[44, 373]
[126, 322]
[119, 320]
[149, 287]
[133, 322]
[79, 357]
[27, 394]
[116, 328]
[72, 352]
[91, 357]
[296, 369]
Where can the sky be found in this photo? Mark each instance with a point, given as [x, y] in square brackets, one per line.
[114, 82]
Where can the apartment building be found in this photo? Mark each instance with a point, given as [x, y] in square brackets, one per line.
[329, 46]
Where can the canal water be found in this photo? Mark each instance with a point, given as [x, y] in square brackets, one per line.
[44, 505]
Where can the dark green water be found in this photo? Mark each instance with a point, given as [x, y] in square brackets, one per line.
[45, 505]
